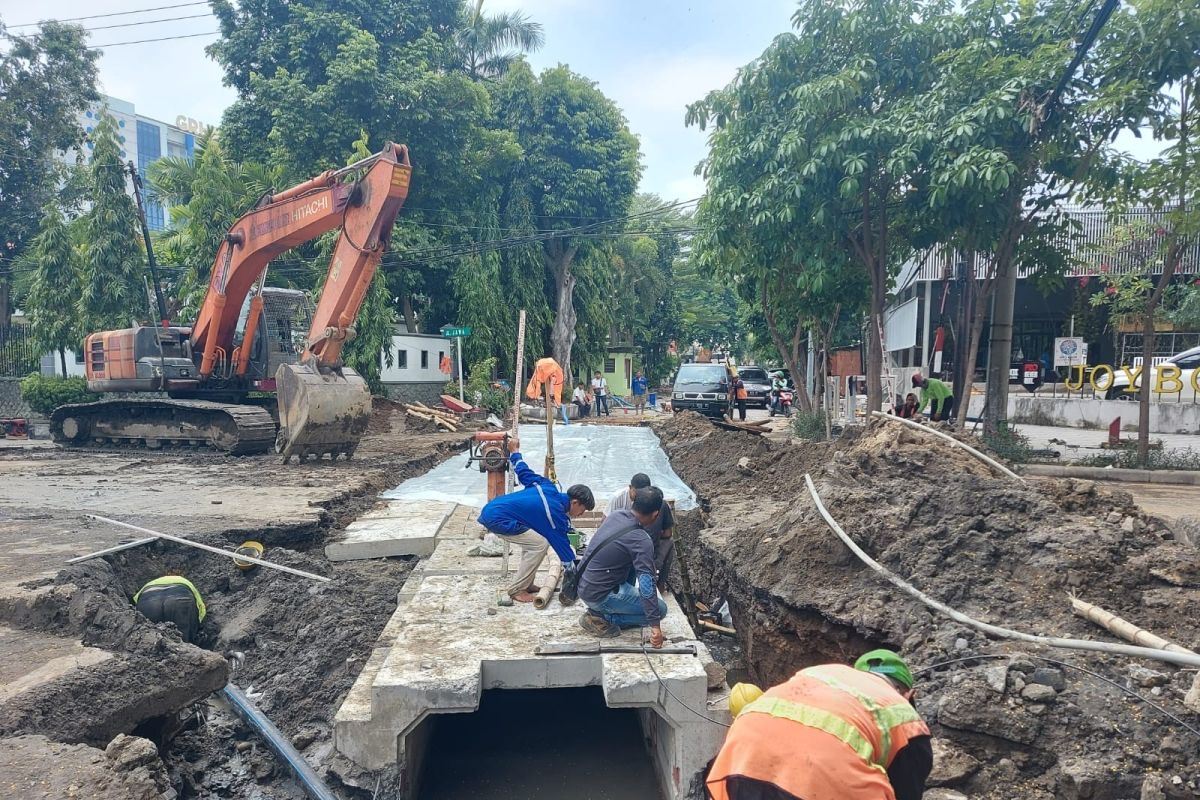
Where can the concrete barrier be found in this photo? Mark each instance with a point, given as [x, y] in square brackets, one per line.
[1078, 412]
[1173, 477]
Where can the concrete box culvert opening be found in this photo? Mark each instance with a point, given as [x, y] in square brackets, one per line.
[541, 743]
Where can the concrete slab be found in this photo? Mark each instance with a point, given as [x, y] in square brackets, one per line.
[400, 528]
[449, 641]
[29, 659]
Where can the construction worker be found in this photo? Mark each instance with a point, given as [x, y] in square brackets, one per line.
[661, 528]
[172, 598]
[936, 393]
[618, 581]
[535, 519]
[831, 731]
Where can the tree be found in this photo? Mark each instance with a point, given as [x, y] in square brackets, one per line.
[46, 80]
[580, 168]
[54, 290]
[490, 44]
[114, 293]
[205, 194]
[809, 160]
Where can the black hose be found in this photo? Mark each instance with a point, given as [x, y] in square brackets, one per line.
[312, 783]
[1084, 670]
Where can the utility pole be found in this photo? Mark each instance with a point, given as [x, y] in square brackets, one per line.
[137, 195]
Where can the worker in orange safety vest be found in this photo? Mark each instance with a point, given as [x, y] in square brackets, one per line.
[831, 732]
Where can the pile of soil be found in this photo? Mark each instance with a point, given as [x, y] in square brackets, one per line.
[297, 645]
[999, 550]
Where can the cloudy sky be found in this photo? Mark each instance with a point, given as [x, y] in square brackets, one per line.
[651, 56]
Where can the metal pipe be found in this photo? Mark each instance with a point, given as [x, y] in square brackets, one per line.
[210, 549]
[115, 549]
[1170, 657]
[314, 787]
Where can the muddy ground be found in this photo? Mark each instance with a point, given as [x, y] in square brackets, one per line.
[998, 550]
[295, 644]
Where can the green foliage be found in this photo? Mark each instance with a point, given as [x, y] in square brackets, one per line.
[1184, 458]
[580, 162]
[482, 390]
[206, 195]
[809, 425]
[489, 44]
[43, 394]
[46, 79]
[55, 286]
[114, 294]
[1010, 444]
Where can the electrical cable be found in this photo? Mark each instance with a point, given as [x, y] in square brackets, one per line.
[667, 689]
[113, 14]
[1084, 670]
[145, 41]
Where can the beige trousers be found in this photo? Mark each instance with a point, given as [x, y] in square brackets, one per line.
[533, 549]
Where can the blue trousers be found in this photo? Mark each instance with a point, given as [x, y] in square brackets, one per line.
[624, 607]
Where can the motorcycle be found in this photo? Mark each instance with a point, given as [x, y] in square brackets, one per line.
[782, 403]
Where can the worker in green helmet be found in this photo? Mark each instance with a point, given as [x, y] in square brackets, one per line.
[829, 731]
[175, 599]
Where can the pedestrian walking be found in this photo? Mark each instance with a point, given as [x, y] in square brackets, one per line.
[600, 391]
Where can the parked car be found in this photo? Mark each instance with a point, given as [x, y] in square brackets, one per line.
[758, 385]
[703, 388]
[1187, 362]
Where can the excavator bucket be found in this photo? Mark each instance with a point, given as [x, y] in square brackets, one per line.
[321, 410]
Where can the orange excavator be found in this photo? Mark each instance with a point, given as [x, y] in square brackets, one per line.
[250, 338]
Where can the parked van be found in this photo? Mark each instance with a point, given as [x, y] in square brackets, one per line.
[703, 388]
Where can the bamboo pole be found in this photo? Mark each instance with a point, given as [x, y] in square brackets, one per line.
[1122, 627]
[1169, 656]
[216, 550]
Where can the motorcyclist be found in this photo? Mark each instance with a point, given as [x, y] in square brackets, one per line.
[778, 384]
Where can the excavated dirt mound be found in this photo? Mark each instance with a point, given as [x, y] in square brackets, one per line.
[1002, 551]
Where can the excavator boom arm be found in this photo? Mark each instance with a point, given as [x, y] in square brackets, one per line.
[366, 210]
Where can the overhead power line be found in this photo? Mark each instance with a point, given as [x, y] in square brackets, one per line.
[113, 14]
[146, 22]
[159, 39]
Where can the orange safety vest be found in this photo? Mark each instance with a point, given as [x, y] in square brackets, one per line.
[828, 733]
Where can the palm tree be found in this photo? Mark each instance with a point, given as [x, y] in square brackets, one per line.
[490, 44]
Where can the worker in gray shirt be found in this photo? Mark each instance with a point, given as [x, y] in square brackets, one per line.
[618, 583]
[661, 530]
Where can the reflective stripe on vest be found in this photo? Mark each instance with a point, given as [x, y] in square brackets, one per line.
[886, 717]
[176, 580]
[818, 718]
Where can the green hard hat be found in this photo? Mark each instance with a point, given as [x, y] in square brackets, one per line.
[886, 662]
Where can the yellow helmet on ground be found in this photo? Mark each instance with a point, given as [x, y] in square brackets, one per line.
[742, 695]
[248, 548]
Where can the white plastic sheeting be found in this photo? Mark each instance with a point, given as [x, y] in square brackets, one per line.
[601, 456]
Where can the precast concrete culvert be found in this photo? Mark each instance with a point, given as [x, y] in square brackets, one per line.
[537, 743]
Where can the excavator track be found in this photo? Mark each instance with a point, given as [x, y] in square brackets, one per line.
[228, 427]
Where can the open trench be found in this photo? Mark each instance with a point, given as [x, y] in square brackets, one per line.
[298, 647]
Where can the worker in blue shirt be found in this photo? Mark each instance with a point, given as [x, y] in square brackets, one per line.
[535, 519]
[639, 387]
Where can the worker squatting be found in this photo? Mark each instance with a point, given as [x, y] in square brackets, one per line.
[830, 731]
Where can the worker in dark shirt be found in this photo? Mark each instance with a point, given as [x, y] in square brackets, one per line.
[829, 731]
[173, 598]
[618, 583]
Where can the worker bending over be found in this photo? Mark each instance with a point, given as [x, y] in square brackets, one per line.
[661, 530]
[618, 579]
[535, 518]
[831, 731]
[172, 598]
[936, 394]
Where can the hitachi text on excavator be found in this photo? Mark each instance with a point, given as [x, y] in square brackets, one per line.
[250, 338]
